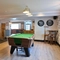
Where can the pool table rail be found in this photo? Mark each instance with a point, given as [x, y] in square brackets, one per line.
[25, 42]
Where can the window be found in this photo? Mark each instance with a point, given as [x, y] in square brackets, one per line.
[15, 26]
[28, 26]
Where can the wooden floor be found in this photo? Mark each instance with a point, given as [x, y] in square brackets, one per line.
[40, 51]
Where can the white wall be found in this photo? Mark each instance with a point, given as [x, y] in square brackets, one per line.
[58, 30]
[39, 31]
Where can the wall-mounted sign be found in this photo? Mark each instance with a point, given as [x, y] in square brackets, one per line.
[49, 22]
[40, 22]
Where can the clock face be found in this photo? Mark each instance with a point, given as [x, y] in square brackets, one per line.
[49, 22]
[40, 22]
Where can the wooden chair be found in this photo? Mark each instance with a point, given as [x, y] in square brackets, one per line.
[52, 36]
[46, 37]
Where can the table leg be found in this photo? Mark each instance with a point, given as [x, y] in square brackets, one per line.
[27, 52]
[32, 44]
[12, 49]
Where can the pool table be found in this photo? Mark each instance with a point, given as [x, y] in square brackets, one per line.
[26, 39]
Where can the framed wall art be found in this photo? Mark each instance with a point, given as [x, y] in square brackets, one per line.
[50, 22]
[40, 22]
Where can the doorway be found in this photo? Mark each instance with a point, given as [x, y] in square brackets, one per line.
[3, 25]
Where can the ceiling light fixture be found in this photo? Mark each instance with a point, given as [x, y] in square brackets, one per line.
[27, 11]
[29, 14]
[10, 23]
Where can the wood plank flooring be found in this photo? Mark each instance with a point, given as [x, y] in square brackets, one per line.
[40, 51]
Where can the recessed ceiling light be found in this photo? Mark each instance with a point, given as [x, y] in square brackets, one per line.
[40, 14]
[14, 18]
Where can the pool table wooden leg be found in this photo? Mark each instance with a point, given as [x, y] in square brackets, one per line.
[27, 52]
[12, 49]
[32, 44]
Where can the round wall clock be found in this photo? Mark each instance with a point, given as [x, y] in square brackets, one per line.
[40, 22]
[49, 22]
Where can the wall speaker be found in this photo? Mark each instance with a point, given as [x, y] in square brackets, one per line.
[55, 17]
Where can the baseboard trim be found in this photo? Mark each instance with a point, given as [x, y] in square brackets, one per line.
[47, 41]
[58, 44]
[39, 40]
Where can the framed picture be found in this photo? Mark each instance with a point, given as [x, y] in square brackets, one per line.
[40, 22]
[50, 22]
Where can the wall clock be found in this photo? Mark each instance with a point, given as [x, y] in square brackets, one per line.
[40, 22]
[49, 22]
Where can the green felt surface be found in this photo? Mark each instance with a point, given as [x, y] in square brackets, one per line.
[17, 41]
[19, 35]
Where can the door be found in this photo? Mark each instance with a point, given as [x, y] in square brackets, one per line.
[2, 29]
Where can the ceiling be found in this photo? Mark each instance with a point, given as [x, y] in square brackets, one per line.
[14, 8]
